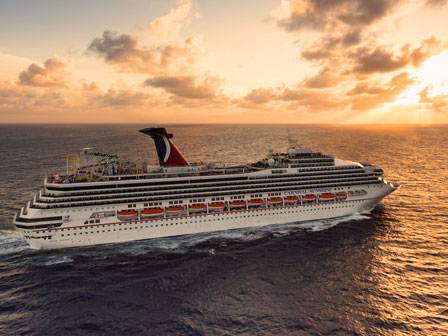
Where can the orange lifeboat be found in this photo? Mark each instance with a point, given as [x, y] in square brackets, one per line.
[309, 198]
[255, 202]
[127, 215]
[197, 207]
[148, 213]
[216, 206]
[238, 204]
[291, 199]
[174, 210]
[341, 196]
[275, 200]
[327, 197]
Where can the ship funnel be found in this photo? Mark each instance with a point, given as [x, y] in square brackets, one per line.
[168, 153]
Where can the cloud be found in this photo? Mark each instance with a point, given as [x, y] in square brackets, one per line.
[324, 79]
[122, 98]
[327, 14]
[51, 74]
[260, 96]
[168, 27]
[298, 98]
[92, 86]
[187, 86]
[12, 95]
[50, 98]
[125, 52]
[438, 102]
[436, 2]
[365, 96]
[380, 59]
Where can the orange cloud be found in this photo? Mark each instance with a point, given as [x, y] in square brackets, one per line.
[324, 79]
[125, 97]
[51, 74]
[92, 86]
[259, 96]
[187, 86]
[379, 59]
[125, 52]
[365, 97]
[326, 15]
[299, 99]
[12, 95]
[438, 102]
[168, 27]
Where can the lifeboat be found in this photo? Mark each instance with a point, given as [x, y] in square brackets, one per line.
[275, 200]
[291, 199]
[148, 213]
[216, 206]
[255, 202]
[197, 207]
[327, 197]
[341, 196]
[174, 210]
[238, 204]
[127, 215]
[309, 198]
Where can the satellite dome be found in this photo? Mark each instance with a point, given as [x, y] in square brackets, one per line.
[271, 162]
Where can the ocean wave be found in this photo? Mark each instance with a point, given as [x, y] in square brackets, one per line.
[11, 242]
[184, 244]
[54, 260]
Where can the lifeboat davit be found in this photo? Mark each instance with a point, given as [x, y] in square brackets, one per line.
[127, 215]
[197, 207]
[174, 210]
[216, 206]
[309, 198]
[327, 197]
[255, 202]
[148, 213]
[341, 196]
[238, 204]
[291, 199]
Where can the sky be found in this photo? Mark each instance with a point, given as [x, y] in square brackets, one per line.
[205, 61]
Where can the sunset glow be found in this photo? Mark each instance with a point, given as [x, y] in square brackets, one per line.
[269, 61]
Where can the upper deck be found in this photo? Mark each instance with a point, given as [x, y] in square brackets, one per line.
[101, 168]
[89, 166]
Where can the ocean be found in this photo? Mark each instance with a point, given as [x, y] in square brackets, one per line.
[382, 272]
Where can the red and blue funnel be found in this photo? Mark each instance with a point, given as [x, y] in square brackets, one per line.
[169, 155]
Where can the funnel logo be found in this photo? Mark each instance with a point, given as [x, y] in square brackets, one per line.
[169, 155]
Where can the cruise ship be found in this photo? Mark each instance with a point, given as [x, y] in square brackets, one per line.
[100, 199]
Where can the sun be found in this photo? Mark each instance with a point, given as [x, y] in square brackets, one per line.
[431, 76]
[434, 73]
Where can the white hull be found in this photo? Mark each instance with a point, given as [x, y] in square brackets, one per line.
[77, 234]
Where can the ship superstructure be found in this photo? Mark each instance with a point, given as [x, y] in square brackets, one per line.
[101, 199]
